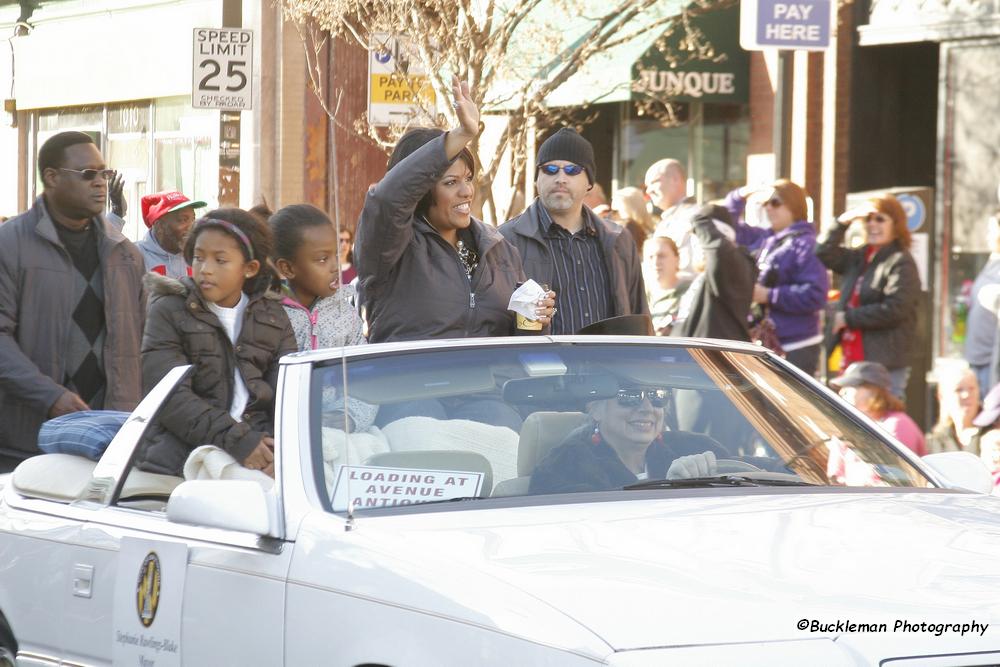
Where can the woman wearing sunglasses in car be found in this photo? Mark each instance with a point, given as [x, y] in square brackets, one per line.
[426, 267]
[879, 288]
[623, 443]
[791, 281]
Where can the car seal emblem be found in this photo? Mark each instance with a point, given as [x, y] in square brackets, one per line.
[147, 589]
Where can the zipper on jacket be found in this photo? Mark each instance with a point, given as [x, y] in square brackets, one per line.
[472, 299]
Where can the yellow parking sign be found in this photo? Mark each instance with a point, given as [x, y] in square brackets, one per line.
[399, 90]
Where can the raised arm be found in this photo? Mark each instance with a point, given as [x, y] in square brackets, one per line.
[386, 224]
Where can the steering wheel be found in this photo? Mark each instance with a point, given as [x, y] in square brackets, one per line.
[731, 466]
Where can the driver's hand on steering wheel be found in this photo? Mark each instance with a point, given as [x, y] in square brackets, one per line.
[693, 465]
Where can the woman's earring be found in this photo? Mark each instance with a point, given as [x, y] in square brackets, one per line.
[596, 437]
[659, 438]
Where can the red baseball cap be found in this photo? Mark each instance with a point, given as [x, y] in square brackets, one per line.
[157, 205]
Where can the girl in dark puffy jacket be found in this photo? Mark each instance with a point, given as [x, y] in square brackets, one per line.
[224, 321]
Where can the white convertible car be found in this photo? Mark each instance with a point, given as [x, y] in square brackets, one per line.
[525, 501]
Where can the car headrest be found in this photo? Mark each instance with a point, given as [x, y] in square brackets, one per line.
[541, 433]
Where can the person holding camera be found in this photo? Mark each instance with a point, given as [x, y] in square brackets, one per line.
[791, 280]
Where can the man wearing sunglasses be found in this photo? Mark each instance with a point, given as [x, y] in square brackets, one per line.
[71, 301]
[592, 264]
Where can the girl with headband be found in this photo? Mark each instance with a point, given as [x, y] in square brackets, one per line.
[225, 322]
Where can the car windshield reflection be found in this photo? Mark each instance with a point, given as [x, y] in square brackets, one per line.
[565, 418]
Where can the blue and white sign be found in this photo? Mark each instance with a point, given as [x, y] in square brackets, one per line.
[916, 212]
[804, 25]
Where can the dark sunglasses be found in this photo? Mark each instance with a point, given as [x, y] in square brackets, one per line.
[569, 169]
[630, 398]
[91, 174]
[773, 202]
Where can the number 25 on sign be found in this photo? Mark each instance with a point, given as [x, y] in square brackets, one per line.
[223, 69]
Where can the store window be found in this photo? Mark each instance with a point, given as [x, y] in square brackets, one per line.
[710, 139]
[973, 136]
[156, 145]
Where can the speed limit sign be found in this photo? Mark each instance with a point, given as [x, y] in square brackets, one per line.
[223, 69]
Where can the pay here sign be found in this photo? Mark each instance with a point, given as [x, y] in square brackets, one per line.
[804, 25]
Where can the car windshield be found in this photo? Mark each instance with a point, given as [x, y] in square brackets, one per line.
[563, 418]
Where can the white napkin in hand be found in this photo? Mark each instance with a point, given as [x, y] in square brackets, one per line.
[524, 300]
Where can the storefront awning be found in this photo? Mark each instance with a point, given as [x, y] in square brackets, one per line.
[616, 74]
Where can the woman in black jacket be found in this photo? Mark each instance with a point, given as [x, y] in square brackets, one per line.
[623, 443]
[879, 288]
[426, 267]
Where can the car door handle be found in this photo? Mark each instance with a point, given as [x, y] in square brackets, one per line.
[83, 576]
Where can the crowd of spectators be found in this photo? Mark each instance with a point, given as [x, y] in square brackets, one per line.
[750, 267]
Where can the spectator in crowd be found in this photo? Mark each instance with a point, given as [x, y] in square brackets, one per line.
[305, 254]
[624, 442]
[597, 201]
[990, 456]
[984, 302]
[168, 216]
[877, 312]
[261, 212]
[629, 210]
[958, 405]
[71, 300]
[989, 417]
[666, 187]
[791, 281]
[426, 267]
[717, 302]
[664, 286]
[116, 197]
[225, 323]
[867, 386]
[345, 252]
[592, 264]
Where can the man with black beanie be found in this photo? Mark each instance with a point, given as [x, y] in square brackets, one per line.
[591, 264]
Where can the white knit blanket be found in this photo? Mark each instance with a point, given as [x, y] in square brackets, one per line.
[211, 462]
[497, 443]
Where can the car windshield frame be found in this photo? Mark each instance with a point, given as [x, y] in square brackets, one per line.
[822, 400]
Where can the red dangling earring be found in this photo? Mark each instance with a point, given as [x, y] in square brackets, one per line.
[659, 438]
[596, 437]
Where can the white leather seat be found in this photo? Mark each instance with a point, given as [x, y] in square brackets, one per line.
[63, 477]
[540, 434]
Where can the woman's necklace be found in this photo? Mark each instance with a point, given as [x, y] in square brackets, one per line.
[469, 258]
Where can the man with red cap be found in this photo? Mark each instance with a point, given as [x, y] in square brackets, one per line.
[169, 216]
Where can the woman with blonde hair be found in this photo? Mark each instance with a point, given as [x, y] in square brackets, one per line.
[958, 401]
[629, 208]
[879, 288]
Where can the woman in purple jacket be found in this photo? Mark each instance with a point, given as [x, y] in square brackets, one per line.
[792, 282]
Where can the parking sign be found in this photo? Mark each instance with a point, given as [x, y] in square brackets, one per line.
[803, 25]
[223, 69]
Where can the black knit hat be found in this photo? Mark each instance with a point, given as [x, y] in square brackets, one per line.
[568, 145]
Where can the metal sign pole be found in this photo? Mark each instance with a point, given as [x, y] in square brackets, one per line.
[229, 125]
[782, 126]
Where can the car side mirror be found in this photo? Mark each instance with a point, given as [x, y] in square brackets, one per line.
[238, 505]
[961, 470]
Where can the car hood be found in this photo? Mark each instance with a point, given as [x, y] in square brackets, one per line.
[726, 567]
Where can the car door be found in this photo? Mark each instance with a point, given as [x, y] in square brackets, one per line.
[142, 589]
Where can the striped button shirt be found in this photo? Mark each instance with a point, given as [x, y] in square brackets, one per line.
[580, 276]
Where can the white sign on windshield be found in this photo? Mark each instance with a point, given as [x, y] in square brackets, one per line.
[373, 486]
